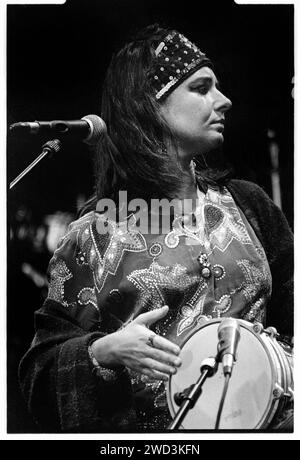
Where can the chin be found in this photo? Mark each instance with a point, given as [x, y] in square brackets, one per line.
[213, 143]
[219, 140]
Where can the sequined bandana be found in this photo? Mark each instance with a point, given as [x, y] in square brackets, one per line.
[177, 59]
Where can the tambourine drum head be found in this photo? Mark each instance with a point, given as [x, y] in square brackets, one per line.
[249, 395]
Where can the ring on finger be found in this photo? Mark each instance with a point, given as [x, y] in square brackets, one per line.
[150, 340]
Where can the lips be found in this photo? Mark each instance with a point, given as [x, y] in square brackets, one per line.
[220, 121]
[218, 124]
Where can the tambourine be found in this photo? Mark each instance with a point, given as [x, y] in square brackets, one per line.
[260, 392]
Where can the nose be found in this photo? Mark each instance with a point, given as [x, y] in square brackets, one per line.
[222, 103]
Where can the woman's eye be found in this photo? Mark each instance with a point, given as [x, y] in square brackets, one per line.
[202, 89]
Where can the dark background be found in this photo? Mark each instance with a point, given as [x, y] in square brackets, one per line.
[56, 61]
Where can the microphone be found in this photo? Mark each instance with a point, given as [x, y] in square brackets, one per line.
[229, 336]
[89, 128]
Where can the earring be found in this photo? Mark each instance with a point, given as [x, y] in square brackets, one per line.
[193, 167]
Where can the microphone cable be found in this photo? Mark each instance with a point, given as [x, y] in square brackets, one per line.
[225, 388]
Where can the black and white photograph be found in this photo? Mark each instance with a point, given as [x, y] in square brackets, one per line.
[150, 219]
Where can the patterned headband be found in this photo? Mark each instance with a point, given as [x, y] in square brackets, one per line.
[177, 59]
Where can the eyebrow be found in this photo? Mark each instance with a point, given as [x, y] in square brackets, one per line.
[205, 80]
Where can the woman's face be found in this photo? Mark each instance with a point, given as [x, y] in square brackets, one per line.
[195, 113]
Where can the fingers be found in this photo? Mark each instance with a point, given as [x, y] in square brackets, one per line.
[160, 367]
[153, 375]
[163, 357]
[146, 352]
[146, 319]
[166, 345]
[161, 364]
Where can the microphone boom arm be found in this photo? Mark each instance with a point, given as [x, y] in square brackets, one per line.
[189, 396]
[52, 146]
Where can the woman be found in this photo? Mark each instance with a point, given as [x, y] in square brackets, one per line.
[122, 296]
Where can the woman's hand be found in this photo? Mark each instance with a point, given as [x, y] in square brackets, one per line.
[140, 349]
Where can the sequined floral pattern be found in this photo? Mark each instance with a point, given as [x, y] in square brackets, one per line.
[59, 274]
[256, 279]
[101, 243]
[224, 225]
[122, 237]
[257, 312]
[159, 285]
[87, 296]
[222, 305]
[172, 239]
[190, 313]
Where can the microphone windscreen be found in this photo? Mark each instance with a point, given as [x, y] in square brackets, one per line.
[97, 129]
[228, 335]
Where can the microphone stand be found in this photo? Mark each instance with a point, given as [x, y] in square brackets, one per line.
[52, 146]
[189, 396]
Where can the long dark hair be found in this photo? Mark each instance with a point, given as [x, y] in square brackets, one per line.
[132, 156]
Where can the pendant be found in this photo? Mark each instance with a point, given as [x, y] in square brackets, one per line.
[206, 272]
[218, 271]
[204, 263]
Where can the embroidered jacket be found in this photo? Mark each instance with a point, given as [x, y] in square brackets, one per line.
[99, 280]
